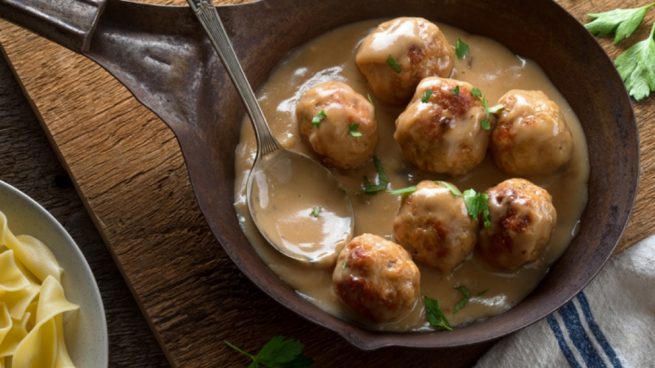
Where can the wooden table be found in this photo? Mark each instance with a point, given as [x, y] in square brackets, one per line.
[130, 175]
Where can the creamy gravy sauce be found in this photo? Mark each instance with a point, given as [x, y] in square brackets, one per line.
[492, 68]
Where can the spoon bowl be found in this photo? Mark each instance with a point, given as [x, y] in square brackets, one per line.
[328, 224]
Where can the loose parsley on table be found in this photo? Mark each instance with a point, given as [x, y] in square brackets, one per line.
[435, 315]
[393, 64]
[461, 49]
[279, 352]
[316, 120]
[620, 22]
[635, 65]
[382, 181]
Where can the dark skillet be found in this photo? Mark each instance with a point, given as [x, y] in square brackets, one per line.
[162, 56]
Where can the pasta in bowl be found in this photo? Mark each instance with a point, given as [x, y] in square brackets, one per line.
[51, 314]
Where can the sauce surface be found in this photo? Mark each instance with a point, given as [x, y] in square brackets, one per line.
[492, 68]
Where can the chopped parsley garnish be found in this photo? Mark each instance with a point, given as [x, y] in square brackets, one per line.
[456, 91]
[485, 123]
[316, 211]
[477, 205]
[435, 315]
[426, 96]
[382, 180]
[466, 295]
[620, 22]
[461, 49]
[316, 120]
[411, 189]
[279, 352]
[353, 129]
[637, 69]
[393, 63]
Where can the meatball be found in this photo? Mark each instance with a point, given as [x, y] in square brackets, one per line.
[445, 134]
[522, 220]
[401, 52]
[338, 124]
[376, 278]
[531, 137]
[434, 226]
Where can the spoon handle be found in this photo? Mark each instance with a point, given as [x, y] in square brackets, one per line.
[211, 22]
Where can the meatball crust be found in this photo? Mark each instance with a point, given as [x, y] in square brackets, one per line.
[443, 135]
[434, 226]
[347, 133]
[376, 278]
[418, 47]
[531, 137]
[522, 220]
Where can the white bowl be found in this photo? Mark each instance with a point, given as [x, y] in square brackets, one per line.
[86, 329]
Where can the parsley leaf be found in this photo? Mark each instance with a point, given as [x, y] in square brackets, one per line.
[393, 63]
[475, 92]
[435, 315]
[456, 91]
[382, 182]
[353, 129]
[411, 189]
[279, 352]
[485, 123]
[316, 120]
[622, 22]
[403, 191]
[461, 49]
[636, 67]
[466, 295]
[477, 204]
[426, 96]
[316, 211]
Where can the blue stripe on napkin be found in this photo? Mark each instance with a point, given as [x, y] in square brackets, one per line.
[557, 331]
[579, 336]
[598, 333]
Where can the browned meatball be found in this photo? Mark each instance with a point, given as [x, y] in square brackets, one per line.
[401, 52]
[434, 226]
[345, 132]
[522, 220]
[531, 137]
[376, 278]
[444, 134]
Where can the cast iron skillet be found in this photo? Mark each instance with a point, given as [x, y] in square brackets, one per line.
[161, 55]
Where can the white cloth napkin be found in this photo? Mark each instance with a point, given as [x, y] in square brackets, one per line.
[610, 324]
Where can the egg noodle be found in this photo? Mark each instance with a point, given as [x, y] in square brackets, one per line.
[32, 304]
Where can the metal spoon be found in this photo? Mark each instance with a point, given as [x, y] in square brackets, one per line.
[287, 226]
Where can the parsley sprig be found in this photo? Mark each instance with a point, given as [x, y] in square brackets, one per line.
[620, 22]
[382, 181]
[461, 49]
[426, 96]
[411, 189]
[279, 352]
[485, 123]
[466, 296]
[635, 65]
[477, 205]
[353, 129]
[316, 211]
[435, 316]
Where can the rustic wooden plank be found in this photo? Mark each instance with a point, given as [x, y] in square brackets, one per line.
[28, 162]
[129, 171]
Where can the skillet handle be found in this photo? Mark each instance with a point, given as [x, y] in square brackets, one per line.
[70, 23]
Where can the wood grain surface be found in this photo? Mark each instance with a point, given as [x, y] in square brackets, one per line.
[28, 162]
[128, 169]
